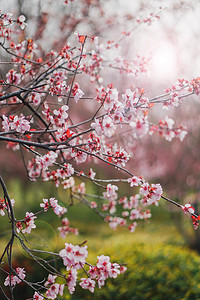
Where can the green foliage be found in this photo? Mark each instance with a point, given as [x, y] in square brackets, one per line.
[158, 266]
[154, 272]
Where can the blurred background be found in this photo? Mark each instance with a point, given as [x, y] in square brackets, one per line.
[163, 254]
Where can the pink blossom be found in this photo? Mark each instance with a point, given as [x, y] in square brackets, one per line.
[101, 279]
[132, 227]
[195, 222]
[80, 156]
[57, 83]
[155, 193]
[62, 211]
[54, 290]
[119, 156]
[21, 21]
[67, 255]
[63, 133]
[93, 272]
[134, 181]
[65, 229]
[81, 188]
[134, 214]
[97, 125]
[92, 173]
[123, 200]
[152, 193]
[50, 280]
[103, 262]
[15, 279]
[87, 283]
[73, 255]
[61, 289]
[144, 190]
[35, 98]
[46, 110]
[134, 201]
[93, 204]
[5, 123]
[125, 214]
[69, 170]
[71, 280]
[78, 95]
[129, 99]
[68, 183]
[114, 270]
[145, 214]
[80, 254]
[20, 124]
[169, 135]
[37, 296]
[140, 125]
[65, 222]
[7, 18]
[168, 122]
[114, 222]
[111, 99]
[108, 126]
[47, 160]
[58, 210]
[123, 269]
[166, 130]
[29, 222]
[181, 133]
[45, 205]
[10, 280]
[2, 207]
[110, 193]
[20, 272]
[13, 146]
[13, 77]
[60, 115]
[112, 206]
[77, 92]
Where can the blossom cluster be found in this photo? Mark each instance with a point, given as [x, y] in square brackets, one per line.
[4, 206]
[65, 228]
[74, 258]
[27, 224]
[133, 208]
[44, 87]
[19, 124]
[166, 130]
[53, 288]
[12, 279]
[53, 203]
[6, 21]
[181, 89]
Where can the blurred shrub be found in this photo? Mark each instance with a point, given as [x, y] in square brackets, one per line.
[154, 272]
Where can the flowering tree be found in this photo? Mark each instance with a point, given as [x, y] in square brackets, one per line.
[182, 161]
[41, 100]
